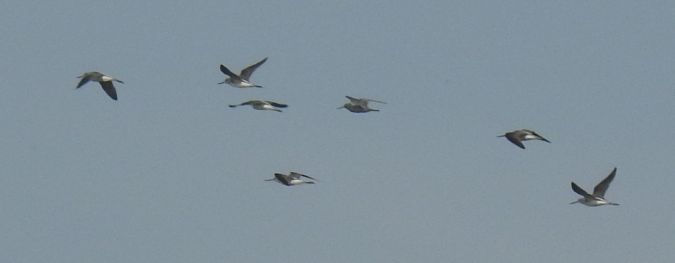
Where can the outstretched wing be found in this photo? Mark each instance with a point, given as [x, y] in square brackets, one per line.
[601, 188]
[109, 89]
[278, 105]
[580, 191]
[513, 138]
[246, 73]
[378, 101]
[83, 81]
[243, 103]
[352, 99]
[540, 137]
[297, 175]
[226, 71]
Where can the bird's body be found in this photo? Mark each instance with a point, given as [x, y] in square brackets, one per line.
[262, 105]
[598, 196]
[518, 136]
[103, 79]
[241, 80]
[291, 179]
[359, 105]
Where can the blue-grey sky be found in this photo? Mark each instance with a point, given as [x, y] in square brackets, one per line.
[169, 173]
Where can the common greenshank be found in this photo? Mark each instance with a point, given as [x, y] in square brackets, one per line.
[262, 105]
[518, 136]
[103, 79]
[291, 179]
[359, 105]
[598, 196]
[241, 80]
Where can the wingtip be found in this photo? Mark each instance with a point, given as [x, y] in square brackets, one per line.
[613, 172]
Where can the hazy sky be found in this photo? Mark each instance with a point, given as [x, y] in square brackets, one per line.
[169, 173]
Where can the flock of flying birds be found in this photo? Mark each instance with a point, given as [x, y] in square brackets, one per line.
[356, 105]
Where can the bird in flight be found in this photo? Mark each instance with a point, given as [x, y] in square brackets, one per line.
[291, 179]
[262, 105]
[359, 105]
[598, 196]
[518, 136]
[241, 80]
[103, 79]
